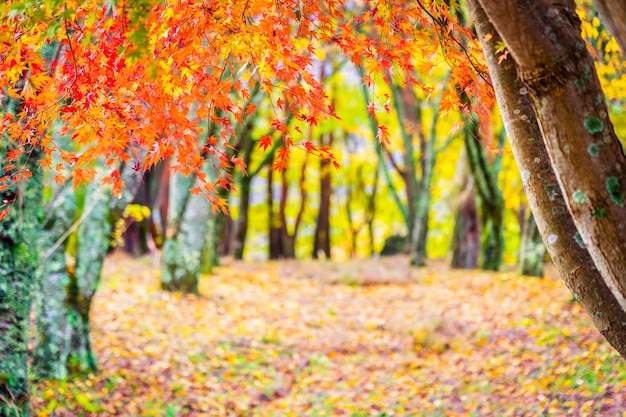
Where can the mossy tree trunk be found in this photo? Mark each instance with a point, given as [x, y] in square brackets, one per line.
[64, 346]
[51, 351]
[18, 262]
[555, 222]
[186, 236]
[94, 237]
[491, 208]
[19, 232]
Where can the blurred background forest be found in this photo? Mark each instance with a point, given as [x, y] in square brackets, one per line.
[457, 191]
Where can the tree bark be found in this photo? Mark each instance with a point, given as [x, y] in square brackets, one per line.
[546, 201]
[559, 74]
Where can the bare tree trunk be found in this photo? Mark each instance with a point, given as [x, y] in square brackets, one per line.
[321, 239]
[466, 235]
[544, 195]
[274, 226]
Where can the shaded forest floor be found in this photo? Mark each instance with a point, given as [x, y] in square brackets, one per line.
[363, 338]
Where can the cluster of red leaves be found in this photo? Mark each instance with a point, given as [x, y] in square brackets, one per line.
[139, 90]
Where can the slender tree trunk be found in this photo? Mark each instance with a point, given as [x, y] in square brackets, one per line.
[371, 211]
[381, 157]
[160, 206]
[532, 249]
[136, 234]
[288, 245]
[466, 235]
[491, 203]
[321, 238]
[209, 257]
[546, 201]
[241, 225]
[274, 226]
[417, 246]
[351, 195]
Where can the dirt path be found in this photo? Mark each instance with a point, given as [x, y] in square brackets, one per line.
[366, 338]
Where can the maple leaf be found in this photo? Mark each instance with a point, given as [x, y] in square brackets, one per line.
[250, 109]
[371, 109]
[367, 80]
[265, 142]
[383, 135]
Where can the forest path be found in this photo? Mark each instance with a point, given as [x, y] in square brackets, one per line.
[359, 338]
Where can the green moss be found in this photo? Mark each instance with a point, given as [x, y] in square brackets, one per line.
[593, 124]
[579, 239]
[599, 213]
[615, 191]
[593, 150]
[579, 197]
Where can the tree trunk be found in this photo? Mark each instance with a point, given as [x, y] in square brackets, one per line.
[532, 249]
[555, 223]
[381, 157]
[321, 239]
[560, 76]
[94, 236]
[491, 208]
[274, 226]
[185, 240]
[466, 235]
[64, 346]
[241, 225]
[371, 211]
[51, 351]
[19, 232]
[136, 234]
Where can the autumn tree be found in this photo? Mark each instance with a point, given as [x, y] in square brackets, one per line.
[543, 147]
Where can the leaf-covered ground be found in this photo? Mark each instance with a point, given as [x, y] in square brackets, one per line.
[366, 338]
